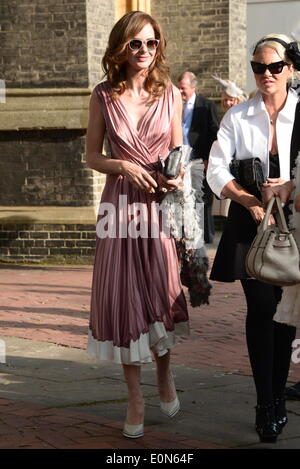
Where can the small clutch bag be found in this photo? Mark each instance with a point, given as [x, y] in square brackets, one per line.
[249, 174]
[171, 165]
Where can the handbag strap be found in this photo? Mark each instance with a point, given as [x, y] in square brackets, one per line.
[295, 140]
[280, 218]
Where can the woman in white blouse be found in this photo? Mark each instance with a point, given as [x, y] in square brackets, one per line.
[262, 127]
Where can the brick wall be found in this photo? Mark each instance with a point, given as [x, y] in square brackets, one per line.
[197, 33]
[59, 43]
[36, 242]
[43, 43]
[197, 36]
[46, 168]
[50, 43]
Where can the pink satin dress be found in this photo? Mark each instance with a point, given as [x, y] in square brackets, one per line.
[137, 301]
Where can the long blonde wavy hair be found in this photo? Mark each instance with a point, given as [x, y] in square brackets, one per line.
[114, 61]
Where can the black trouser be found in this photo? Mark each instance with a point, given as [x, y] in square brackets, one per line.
[269, 343]
[208, 199]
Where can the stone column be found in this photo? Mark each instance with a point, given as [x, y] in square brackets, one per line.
[238, 54]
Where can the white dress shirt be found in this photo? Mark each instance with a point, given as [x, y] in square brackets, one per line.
[244, 133]
[187, 115]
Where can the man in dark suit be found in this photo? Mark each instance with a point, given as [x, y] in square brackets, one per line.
[200, 125]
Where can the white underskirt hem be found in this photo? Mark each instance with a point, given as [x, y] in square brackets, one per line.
[288, 310]
[157, 340]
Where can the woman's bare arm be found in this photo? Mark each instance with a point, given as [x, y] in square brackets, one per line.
[176, 139]
[176, 132]
[234, 191]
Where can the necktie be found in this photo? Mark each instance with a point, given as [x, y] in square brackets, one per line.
[185, 112]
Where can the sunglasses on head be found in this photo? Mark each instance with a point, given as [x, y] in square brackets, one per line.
[274, 67]
[136, 44]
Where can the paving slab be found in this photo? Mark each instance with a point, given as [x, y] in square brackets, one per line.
[51, 304]
[64, 389]
[52, 395]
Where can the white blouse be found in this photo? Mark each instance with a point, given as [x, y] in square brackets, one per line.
[244, 133]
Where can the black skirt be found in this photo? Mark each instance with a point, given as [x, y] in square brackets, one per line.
[239, 232]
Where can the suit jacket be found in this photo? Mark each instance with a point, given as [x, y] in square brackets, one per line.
[204, 126]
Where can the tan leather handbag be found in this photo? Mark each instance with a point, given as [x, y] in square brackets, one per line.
[274, 256]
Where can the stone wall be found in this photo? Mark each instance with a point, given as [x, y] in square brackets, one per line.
[50, 59]
[238, 42]
[53, 43]
[100, 20]
[48, 242]
[198, 35]
[45, 168]
[43, 43]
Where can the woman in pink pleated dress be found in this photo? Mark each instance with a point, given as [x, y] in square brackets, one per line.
[137, 302]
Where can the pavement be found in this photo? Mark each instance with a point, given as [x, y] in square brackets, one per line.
[54, 396]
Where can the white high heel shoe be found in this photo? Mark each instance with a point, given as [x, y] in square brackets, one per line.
[170, 408]
[133, 431]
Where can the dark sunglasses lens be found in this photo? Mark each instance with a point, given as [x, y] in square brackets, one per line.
[276, 67]
[258, 68]
[152, 44]
[135, 44]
